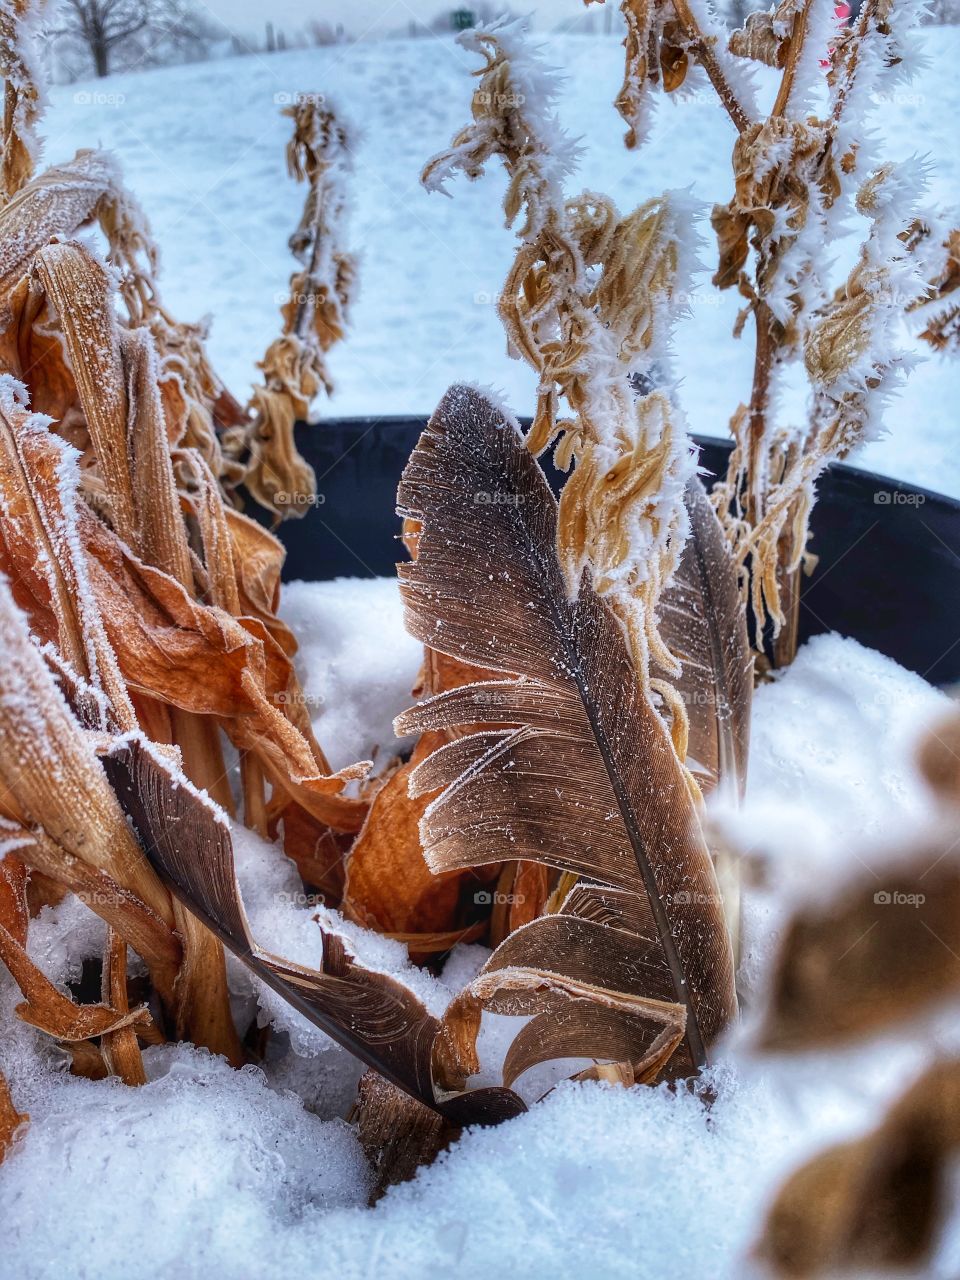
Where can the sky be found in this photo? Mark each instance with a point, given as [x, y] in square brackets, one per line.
[373, 17]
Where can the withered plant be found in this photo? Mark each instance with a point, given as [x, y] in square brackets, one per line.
[314, 315]
[137, 606]
[799, 171]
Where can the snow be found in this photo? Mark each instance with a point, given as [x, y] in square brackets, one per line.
[210, 1171]
[356, 663]
[203, 148]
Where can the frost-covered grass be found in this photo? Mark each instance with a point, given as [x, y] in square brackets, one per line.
[203, 146]
[207, 1171]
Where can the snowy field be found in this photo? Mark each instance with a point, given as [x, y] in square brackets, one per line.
[208, 1171]
[203, 147]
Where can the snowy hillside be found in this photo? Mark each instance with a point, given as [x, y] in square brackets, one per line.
[203, 147]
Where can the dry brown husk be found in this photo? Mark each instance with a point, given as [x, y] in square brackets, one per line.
[11, 1120]
[875, 1204]
[869, 958]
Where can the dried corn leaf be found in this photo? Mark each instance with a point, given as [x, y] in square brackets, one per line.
[55, 1013]
[589, 783]
[398, 1133]
[182, 653]
[40, 553]
[51, 778]
[188, 840]
[119, 1047]
[389, 886]
[58, 202]
[21, 102]
[14, 911]
[314, 317]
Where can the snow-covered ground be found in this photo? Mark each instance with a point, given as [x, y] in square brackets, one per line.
[203, 146]
[208, 1171]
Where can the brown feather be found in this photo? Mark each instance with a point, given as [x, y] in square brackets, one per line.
[588, 782]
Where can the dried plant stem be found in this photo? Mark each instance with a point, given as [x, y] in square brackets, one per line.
[703, 49]
[798, 37]
[21, 95]
[254, 803]
[120, 1049]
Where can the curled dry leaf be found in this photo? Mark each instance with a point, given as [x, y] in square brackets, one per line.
[389, 886]
[877, 1203]
[121, 1052]
[55, 1013]
[398, 1133]
[938, 307]
[14, 909]
[703, 623]
[21, 100]
[588, 783]
[65, 795]
[765, 36]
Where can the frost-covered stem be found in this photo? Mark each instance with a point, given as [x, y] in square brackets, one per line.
[865, 17]
[703, 50]
[798, 37]
[763, 362]
[22, 95]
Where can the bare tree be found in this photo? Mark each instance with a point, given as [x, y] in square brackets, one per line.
[132, 32]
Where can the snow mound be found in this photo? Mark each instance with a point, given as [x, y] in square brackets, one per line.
[210, 1171]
